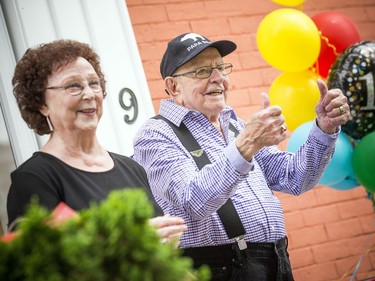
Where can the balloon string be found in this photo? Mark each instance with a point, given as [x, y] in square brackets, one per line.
[325, 39]
[356, 265]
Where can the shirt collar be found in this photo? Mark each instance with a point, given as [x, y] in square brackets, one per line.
[176, 113]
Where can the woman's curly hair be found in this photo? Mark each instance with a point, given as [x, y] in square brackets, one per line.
[36, 66]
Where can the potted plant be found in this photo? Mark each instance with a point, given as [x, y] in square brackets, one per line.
[110, 241]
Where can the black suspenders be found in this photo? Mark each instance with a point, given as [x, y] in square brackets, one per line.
[227, 213]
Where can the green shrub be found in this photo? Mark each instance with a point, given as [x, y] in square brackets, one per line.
[110, 241]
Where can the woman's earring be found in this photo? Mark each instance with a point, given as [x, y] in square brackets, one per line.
[49, 124]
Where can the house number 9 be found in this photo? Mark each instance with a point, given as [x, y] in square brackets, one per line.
[128, 102]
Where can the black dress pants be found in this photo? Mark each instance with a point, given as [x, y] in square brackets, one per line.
[259, 262]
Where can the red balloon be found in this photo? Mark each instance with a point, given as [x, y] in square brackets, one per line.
[337, 31]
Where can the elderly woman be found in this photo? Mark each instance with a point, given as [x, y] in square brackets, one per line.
[60, 89]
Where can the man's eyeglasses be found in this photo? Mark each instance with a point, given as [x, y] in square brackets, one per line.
[206, 71]
[75, 89]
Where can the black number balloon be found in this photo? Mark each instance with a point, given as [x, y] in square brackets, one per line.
[354, 73]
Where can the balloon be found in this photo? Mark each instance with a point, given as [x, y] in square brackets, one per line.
[337, 31]
[299, 136]
[339, 167]
[290, 3]
[348, 183]
[364, 162]
[288, 40]
[297, 94]
[353, 72]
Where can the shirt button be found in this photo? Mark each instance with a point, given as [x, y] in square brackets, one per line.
[272, 228]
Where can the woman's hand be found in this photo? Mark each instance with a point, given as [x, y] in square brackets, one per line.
[169, 228]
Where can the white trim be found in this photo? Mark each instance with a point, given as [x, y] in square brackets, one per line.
[21, 138]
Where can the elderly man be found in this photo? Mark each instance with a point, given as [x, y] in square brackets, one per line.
[218, 172]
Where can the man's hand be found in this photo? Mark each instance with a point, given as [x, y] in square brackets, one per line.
[264, 128]
[332, 109]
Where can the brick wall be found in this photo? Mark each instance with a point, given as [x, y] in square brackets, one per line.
[328, 230]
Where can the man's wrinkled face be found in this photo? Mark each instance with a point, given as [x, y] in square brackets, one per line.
[208, 95]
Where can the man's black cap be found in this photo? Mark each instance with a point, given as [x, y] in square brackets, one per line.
[187, 46]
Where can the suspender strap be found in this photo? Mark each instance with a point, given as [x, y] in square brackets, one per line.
[189, 142]
[231, 220]
[227, 213]
[233, 129]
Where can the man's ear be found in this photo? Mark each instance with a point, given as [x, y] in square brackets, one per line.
[170, 86]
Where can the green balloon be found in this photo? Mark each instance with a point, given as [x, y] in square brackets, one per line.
[364, 162]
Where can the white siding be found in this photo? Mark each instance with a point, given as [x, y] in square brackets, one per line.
[106, 26]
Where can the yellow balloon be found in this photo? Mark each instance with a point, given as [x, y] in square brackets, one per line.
[288, 40]
[297, 94]
[290, 3]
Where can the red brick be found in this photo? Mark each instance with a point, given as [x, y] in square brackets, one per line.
[371, 257]
[347, 265]
[294, 220]
[330, 251]
[289, 202]
[269, 74]
[252, 60]
[343, 229]
[236, 97]
[367, 30]
[151, 51]
[214, 29]
[157, 89]
[152, 69]
[246, 79]
[365, 275]
[147, 14]
[223, 8]
[160, 32]
[320, 272]
[235, 61]
[245, 43]
[301, 257]
[255, 94]
[329, 195]
[240, 25]
[358, 192]
[321, 215]
[369, 12]
[156, 104]
[186, 11]
[308, 236]
[368, 223]
[361, 244]
[355, 208]
[246, 112]
[258, 7]
[304, 201]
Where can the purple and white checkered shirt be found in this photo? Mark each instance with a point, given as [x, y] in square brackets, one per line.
[182, 190]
